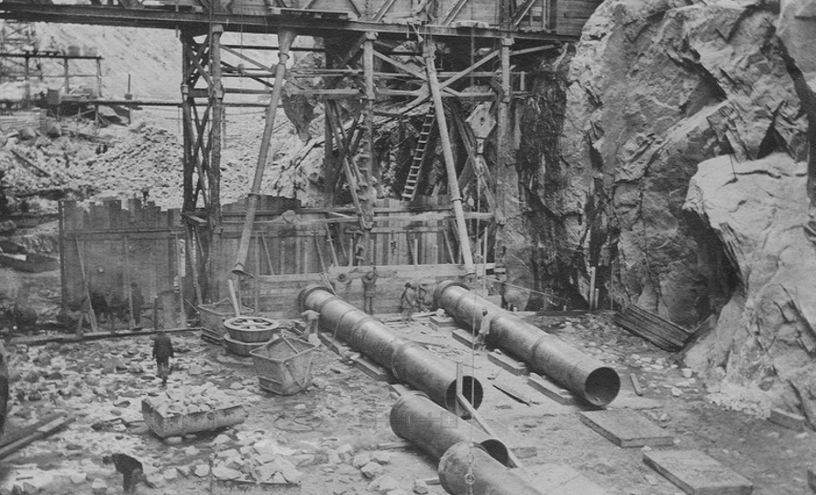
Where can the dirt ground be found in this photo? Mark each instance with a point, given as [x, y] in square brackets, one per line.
[341, 420]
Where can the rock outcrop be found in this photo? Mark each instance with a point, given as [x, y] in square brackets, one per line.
[669, 151]
[764, 335]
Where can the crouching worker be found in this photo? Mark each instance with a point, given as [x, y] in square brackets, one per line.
[130, 468]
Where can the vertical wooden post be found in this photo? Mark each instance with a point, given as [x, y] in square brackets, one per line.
[329, 167]
[126, 259]
[65, 74]
[99, 81]
[63, 281]
[503, 127]
[453, 182]
[217, 100]
[27, 76]
[368, 197]
[257, 292]
[285, 37]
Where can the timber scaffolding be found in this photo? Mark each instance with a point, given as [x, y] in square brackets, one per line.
[433, 54]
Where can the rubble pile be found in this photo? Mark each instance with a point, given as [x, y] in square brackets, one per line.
[263, 461]
[190, 400]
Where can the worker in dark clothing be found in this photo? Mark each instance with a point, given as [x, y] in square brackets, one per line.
[370, 289]
[408, 302]
[162, 352]
[130, 468]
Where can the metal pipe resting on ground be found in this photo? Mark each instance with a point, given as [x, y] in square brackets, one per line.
[467, 468]
[408, 361]
[585, 376]
[433, 429]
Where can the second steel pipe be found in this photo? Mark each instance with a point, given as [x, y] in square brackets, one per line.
[407, 360]
[417, 419]
[589, 378]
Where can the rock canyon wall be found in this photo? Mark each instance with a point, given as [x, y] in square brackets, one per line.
[669, 151]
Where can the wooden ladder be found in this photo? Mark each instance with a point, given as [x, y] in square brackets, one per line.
[409, 192]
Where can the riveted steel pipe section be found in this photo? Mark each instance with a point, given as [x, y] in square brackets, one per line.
[585, 376]
[407, 360]
[433, 429]
[490, 477]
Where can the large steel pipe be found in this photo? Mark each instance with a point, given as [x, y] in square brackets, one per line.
[547, 354]
[489, 476]
[408, 361]
[417, 419]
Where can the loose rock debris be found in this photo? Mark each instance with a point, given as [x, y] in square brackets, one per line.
[332, 438]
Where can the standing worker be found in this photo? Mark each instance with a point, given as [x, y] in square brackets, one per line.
[311, 319]
[162, 352]
[370, 289]
[130, 468]
[408, 302]
[484, 330]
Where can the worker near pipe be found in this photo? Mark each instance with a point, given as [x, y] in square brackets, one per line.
[408, 302]
[484, 330]
[370, 289]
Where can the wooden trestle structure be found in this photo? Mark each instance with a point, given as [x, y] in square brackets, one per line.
[389, 50]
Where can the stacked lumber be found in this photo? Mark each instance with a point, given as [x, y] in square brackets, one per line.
[655, 329]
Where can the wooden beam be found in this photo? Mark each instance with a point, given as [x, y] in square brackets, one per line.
[286, 38]
[386, 6]
[470, 69]
[453, 12]
[453, 185]
[521, 12]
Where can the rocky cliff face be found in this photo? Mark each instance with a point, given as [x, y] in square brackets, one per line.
[656, 92]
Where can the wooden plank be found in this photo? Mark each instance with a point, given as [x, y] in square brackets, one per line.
[463, 337]
[551, 390]
[636, 384]
[696, 473]
[373, 369]
[626, 428]
[562, 480]
[514, 366]
[40, 433]
[788, 420]
[513, 393]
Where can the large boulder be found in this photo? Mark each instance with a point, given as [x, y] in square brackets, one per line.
[763, 338]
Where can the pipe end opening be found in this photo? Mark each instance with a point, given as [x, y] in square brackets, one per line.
[602, 386]
[471, 390]
[497, 450]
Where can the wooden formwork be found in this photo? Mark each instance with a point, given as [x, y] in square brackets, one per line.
[291, 248]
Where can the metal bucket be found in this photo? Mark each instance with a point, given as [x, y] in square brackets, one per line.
[284, 366]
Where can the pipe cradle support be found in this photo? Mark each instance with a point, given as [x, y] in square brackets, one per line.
[407, 360]
[585, 376]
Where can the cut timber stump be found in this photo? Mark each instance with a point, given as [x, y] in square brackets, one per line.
[697, 473]
[626, 428]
